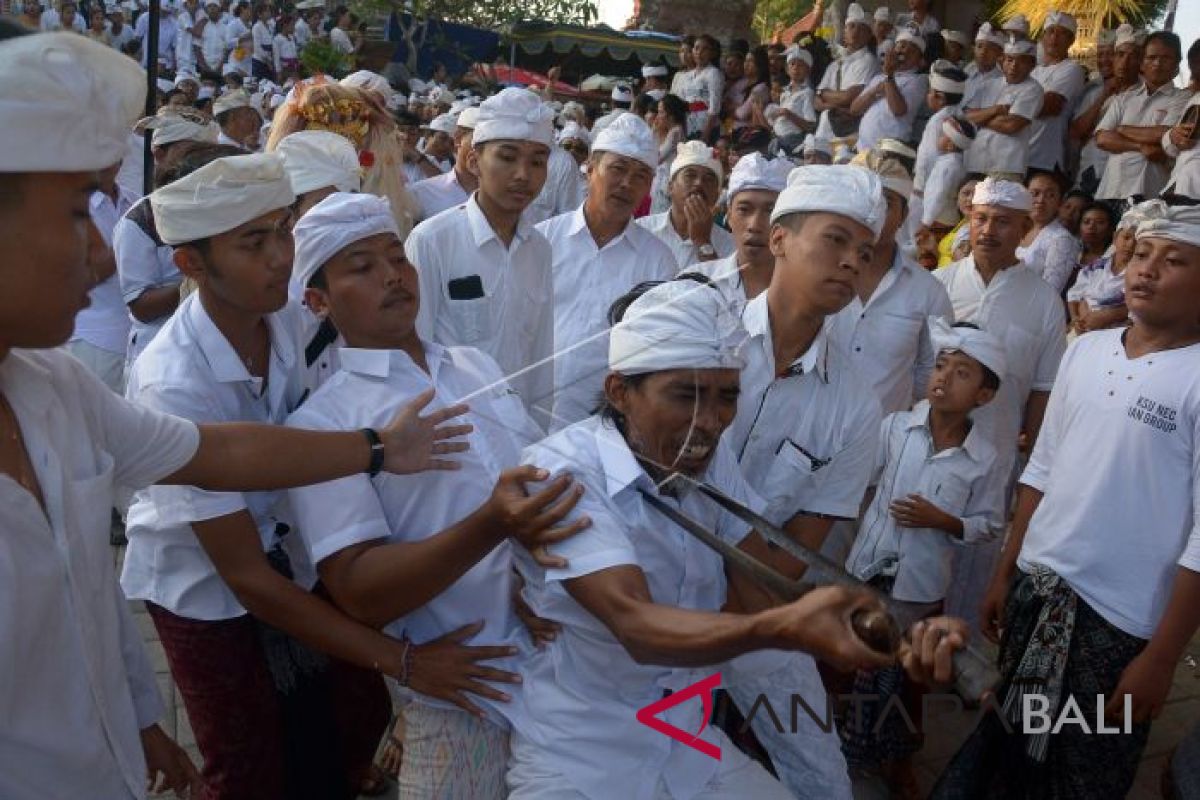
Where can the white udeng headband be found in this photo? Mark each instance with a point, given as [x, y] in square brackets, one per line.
[946, 86]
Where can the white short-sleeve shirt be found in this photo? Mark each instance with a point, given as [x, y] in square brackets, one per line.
[852, 69]
[105, 322]
[1185, 178]
[957, 480]
[800, 102]
[435, 195]
[586, 670]
[878, 121]
[75, 685]
[684, 250]
[1118, 463]
[564, 190]
[370, 389]
[1047, 144]
[457, 254]
[587, 279]
[887, 338]
[191, 370]
[993, 151]
[1128, 174]
[946, 177]
[143, 263]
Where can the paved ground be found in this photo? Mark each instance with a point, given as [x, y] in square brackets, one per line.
[945, 729]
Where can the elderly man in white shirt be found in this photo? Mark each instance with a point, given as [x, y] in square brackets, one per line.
[81, 702]
[638, 598]
[890, 101]
[486, 272]
[754, 185]
[599, 254]
[435, 195]
[689, 227]
[1062, 81]
[995, 290]
[1132, 127]
[807, 428]
[1004, 114]
[439, 563]
[845, 78]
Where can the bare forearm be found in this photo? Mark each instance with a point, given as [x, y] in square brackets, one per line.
[1028, 499]
[1143, 135]
[1035, 412]
[1009, 124]
[982, 116]
[1083, 125]
[842, 99]
[242, 456]
[677, 637]
[895, 99]
[383, 583]
[1113, 142]
[155, 303]
[1107, 317]
[1181, 619]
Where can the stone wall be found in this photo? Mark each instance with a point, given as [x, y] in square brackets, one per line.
[724, 19]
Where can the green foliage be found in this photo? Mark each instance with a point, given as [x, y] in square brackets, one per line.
[320, 57]
[771, 15]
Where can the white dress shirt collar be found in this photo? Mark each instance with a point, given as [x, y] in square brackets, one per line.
[756, 318]
[227, 366]
[482, 230]
[379, 363]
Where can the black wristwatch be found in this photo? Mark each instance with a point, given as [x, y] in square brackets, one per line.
[376, 443]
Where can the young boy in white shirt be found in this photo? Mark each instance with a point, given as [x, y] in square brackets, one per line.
[1098, 590]
[934, 493]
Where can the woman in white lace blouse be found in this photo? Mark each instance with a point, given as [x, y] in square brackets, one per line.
[1049, 248]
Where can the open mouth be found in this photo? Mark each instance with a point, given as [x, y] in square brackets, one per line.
[696, 452]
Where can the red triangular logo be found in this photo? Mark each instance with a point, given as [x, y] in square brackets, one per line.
[648, 715]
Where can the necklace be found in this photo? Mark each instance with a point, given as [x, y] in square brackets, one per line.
[11, 437]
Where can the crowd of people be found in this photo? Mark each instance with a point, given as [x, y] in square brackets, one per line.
[395, 393]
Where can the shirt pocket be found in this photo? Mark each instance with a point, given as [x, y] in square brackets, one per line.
[898, 334]
[89, 499]
[950, 493]
[791, 480]
[471, 318]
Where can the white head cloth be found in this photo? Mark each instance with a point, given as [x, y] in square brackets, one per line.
[885, 47]
[1177, 223]
[1106, 38]
[1017, 23]
[958, 37]
[892, 174]
[316, 159]
[622, 94]
[956, 134]
[173, 126]
[680, 324]
[978, 344]
[573, 130]
[912, 38]
[656, 94]
[813, 145]
[220, 196]
[756, 171]
[517, 114]
[1062, 19]
[854, 13]
[334, 224]
[164, 85]
[1006, 194]
[798, 53]
[442, 97]
[1127, 34]
[654, 71]
[940, 83]
[698, 154]
[628, 135]
[469, 118]
[1135, 216]
[71, 107]
[231, 100]
[1021, 47]
[444, 123]
[847, 191]
[883, 14]
[987, 33]
[371, 81]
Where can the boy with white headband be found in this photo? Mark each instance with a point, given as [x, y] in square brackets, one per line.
[890, 101]
[638, 598]
[993, 289]
[935, 494]
[807, 427]
[754, 185]
[947, 84]
[81, 702]
[213, 566]
[485, 272]
[425, 558]
[1119, 573]
[688, 227]
[599, 252]
[1003, 112]
[794, 116]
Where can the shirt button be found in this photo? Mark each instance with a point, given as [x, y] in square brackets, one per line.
[858, 349]
[1110, 394]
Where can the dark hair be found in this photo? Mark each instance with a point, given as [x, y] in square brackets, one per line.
[688, 39]
[1054, 175]
[1080, 193]
[762, 64]
[741, 46]
[644, 104]
[676, 109]
[990, 379]
[1095, 205]
[1194, 50]
[1168, 38]
[11, 29]
[951, 74]
[197, 156]
[712, 42]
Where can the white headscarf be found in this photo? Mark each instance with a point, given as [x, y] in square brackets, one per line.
[847, 191]
[220, 196]
[630, 136]
[978, 344]
[680, 324]
[1006, 194]
[573, 130]
[517, 114]
[66, 103]
[316, 159]
[695, 153]
[371, 81]
[334, 224]
[171, 126]
[756, 171]
[1176, 223]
